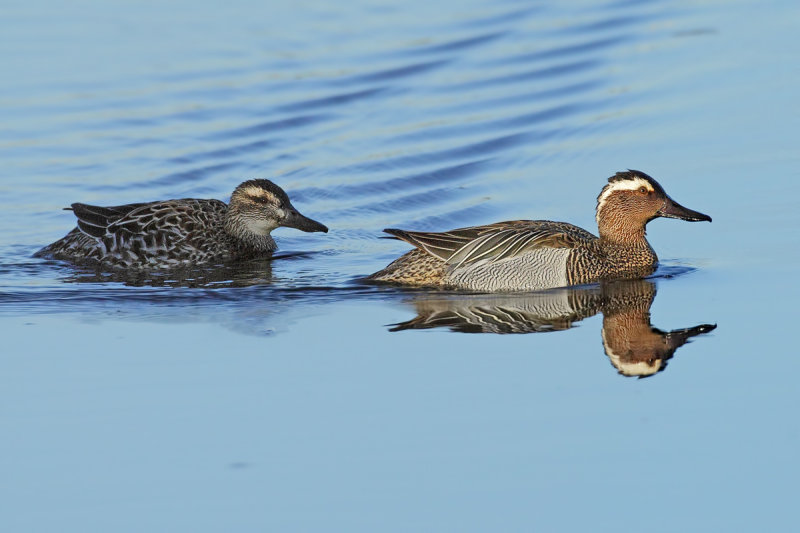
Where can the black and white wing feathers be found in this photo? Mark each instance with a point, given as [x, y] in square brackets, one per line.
[494, 242]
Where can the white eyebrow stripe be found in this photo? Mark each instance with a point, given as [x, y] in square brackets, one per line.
[255, 191]
[622, 185]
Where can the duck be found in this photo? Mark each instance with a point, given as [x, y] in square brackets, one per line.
[529, 255]
[633, 346]
[181, 232]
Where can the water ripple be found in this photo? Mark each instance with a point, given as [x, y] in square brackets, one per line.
[269, 127]
[396, 73]
[333, 100]
[458, 45]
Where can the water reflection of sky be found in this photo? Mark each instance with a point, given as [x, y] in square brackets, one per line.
[288, 405]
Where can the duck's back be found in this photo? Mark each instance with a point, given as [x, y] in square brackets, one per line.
[159, 234]
[516, 255]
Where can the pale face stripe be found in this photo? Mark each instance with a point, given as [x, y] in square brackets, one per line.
[622, 185]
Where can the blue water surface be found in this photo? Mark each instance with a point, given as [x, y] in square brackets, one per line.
[287, 395]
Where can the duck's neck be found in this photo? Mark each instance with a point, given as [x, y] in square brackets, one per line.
[625, 248]
[249, 233]
[617, 230]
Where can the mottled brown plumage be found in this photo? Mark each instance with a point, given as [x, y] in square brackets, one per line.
[175, 233]
[540, 254]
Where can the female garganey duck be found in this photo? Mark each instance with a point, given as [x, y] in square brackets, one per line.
[524, 255]
[174, 233]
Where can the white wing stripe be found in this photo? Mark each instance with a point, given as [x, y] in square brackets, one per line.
[476, 253]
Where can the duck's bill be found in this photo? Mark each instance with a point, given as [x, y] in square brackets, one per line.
[673, 209]
[303, 223]
[678, 337]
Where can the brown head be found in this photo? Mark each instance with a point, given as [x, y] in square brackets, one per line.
[631, 200]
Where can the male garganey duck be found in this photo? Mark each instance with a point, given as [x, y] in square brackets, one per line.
[525, 255]
[175, 233]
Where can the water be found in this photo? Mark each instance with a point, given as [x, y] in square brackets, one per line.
[285, 395]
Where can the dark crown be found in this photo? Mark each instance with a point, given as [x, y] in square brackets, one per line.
[265, 185]
[630, 175]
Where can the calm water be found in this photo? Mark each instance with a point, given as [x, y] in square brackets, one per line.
[286, 396]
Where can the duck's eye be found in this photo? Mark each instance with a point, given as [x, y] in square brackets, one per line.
[642, 190]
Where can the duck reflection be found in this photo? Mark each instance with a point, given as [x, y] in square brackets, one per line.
[633, 346]
[241, 274]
